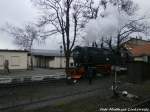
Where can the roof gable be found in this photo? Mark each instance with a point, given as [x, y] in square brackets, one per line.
[138, 50]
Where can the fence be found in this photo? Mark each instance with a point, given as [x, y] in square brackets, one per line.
[138, 72]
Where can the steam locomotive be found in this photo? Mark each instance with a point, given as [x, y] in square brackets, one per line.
[100, 59]
[93, 56]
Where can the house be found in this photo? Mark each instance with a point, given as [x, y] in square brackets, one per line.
[17, 59]
[49, 59]
[138, 69]
[138, 49]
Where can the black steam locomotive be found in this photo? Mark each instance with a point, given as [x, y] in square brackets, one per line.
[101, 59]
[92, 56]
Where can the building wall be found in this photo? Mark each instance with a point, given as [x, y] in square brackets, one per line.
[34, 61]
[49, 61]
[40, 61]
[17, 60]
[59, 62]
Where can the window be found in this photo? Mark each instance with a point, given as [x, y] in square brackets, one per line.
[1, 60]
[15, 60]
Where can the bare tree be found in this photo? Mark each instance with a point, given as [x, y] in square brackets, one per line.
[24, 36]
[132, 26]
[65, 17]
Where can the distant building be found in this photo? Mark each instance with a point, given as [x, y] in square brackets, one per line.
[49, 59]
[20, 59]
[138, 69]
[138, 49]
[17, 59]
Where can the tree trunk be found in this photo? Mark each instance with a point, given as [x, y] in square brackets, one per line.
[31, 59]
[118, 45]
[67, 62]
[67, 59]
[67, 30]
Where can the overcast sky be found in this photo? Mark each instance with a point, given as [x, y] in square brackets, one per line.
[21, 11]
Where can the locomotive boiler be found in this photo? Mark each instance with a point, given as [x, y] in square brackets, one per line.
[92, 56]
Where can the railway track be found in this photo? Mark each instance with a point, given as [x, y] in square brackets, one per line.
[46, 102]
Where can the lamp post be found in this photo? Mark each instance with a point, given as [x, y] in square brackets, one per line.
[60, 56]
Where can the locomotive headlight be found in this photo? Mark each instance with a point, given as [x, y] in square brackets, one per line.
[107, 59]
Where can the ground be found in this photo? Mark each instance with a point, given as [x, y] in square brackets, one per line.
[35, 71]
[80, 97]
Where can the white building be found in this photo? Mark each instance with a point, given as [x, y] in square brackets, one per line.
[17, 59]
[20, 59]
[49, 59]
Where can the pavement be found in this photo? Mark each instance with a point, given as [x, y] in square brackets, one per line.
[31, 75]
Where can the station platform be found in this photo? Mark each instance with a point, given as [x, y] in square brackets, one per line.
[20, 76]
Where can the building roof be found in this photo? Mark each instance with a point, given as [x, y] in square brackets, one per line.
[136, 41]
[11, 50]
[138, 50]
[137, 47]
[43, 52]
